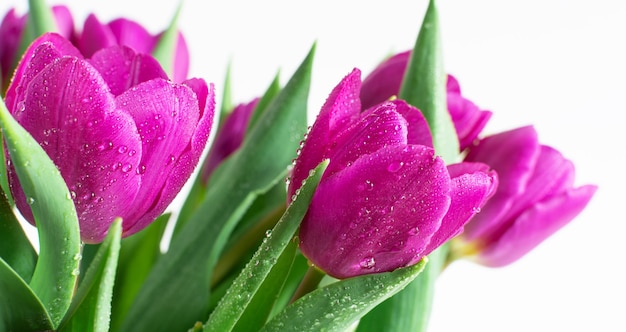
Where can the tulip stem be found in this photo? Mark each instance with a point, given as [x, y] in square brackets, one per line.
[309, 283]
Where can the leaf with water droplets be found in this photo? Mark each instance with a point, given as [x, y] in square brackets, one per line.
[255, 274]
[337, 306]
[91, 306]
[57, 222]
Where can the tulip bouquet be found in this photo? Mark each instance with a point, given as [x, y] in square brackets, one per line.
[341, 225]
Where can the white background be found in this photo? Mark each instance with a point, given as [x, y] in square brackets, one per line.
[559, 65]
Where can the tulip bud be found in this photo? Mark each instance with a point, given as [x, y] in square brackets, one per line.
[535, 198]
[124, 137]
[385, 200]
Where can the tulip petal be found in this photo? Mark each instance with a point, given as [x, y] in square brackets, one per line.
[341, 107]
[166, 115]
[535, 225]
[552, 175]
[188, 160]
[76, 123]
[521, 148]
[399, 195]
[375, 129]
[229, 137]
[384, 82]
[122, 68]
[64, 20]
[132, 34]
[472, 185]
[42, 52]
[11, 28]
[469, 120]
[418, 130]
[95, 36]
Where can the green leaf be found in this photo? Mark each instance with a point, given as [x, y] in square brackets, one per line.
[178, 285]
[271, 92]
[424, 86]
[245, 287]
[15, 248]
[337, 306]
[91, 307]
[261, 304]
[56, 271]
[165, 49]
[298, 270]
[20, 309]
[409, 310]
[261, 216]
[138, 255]
[198, 191]
[227, 100]
[40, 20]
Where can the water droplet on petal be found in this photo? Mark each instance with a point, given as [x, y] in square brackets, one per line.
[122, 149]
[414, 231]
[367, 263]
[141, 169]
[476, 210]
[395, 166]
[126, 168]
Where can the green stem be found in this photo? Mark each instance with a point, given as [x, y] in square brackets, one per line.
[309, 282]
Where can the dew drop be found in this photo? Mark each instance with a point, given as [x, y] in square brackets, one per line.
[268, 233]
[367, 263]
[369, 184]
[414, 231]
[395, 166]
[476, 210]
[122, 149]
[141, 169]
[30, 201]
[132, 153]
[126, 168]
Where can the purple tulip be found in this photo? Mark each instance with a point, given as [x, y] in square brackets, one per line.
[11, 30]
[384, 82]
[124, 137]
[229, 137]
[96, 36]
[385, 200]
[535, 198]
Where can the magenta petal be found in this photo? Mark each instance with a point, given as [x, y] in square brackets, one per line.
[341, 107]
[181, 60]
[132, 34]
[472, 185]
[393, 201]
[379, 127]
[166, 115]
[187, 162]
[468, 119]
[418, 130]
[452, 85]
[384, 82]
[64, 21]
[10, 29]
[229, 137]
[95, 36]
[78, 126]
[123, 68]
[513, 155]
[42, 52]
[535, 225]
